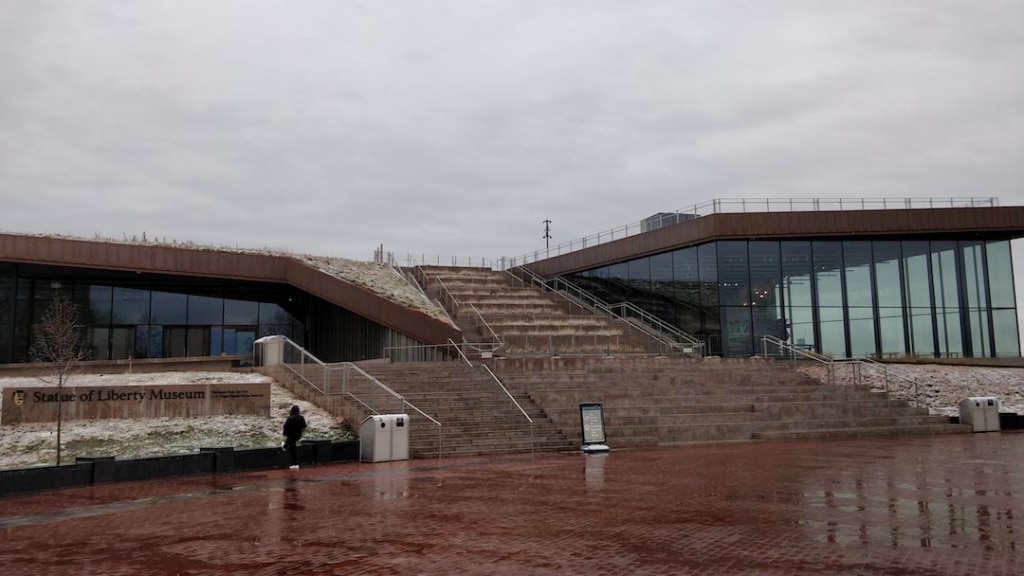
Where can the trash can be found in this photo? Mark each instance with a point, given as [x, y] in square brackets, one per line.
[384, 437]
[399, 436]
[269, 350]
[981, 412]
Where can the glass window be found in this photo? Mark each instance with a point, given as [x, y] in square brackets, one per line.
[973, 257]
[169, 308]
[887, 275]
[862, 332]
[922, 336]
[241, 312]
[944, 274]
[733, 276]
[832, 330]
[828, 262]
[122, 343]
[99, 343]
[737, 335]
[100, 303]
[857, 261]
[765, 275]
[707, 263]
[1000, 274]
[205, 310]
[640, 274]
[1004, 325]
[801, 326]
[891, 331]
[950, 337]
[198, 341]
[273, 314]
[979, 333]
[916, 276]
[687, 289]
[131, 306]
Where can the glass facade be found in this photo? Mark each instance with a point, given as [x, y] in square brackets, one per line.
[843, 298]
[153, 318]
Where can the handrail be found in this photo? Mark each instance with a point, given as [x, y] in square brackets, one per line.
[797, 351]
[507, 393]
[514, 401]
[459, 349]
[887, 372]
[346, 367]
[649, 324]
[481, 319]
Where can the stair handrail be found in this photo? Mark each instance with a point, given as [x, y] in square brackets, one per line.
[795, 351]
[512, 398]
[459, 350]
[647, 323]
[447, 294]
[494, 335]
[887, 373]
[346, 366]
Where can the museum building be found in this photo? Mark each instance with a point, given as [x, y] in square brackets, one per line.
[858, 281]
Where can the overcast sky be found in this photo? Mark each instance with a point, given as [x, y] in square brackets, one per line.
[457, 127]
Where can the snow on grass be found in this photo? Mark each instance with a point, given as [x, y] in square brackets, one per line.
[35, 444]
[940, 387]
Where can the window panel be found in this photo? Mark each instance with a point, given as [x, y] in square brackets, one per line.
[1000, 274]
[828, 261]
[887, 275]
[733, 273]
[170, 308]
[707, 262]
[832, 330]
[891, 331]
[973, 257]
[950, 337]
[922, 339]
[980, 345]
[857, 269]
[801, 326]
[131, 306]
[1007, 337]
[241, 312]
[737, 337]
[916, 276]
[944, 288]
[205, 310]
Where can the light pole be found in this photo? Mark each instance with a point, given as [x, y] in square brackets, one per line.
[547, 234]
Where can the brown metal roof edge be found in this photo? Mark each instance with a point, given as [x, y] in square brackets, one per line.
[1006, 221]
[226, 264]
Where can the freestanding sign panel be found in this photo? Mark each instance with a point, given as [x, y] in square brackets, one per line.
[592, 427]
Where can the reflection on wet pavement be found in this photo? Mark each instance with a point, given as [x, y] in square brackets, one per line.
[942, 505]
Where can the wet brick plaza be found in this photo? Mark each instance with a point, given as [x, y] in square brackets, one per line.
[950, 504]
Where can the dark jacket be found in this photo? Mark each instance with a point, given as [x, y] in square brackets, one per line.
[294, 424]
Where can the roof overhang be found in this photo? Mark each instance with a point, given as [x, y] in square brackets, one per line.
[227, 265]
[984, 222]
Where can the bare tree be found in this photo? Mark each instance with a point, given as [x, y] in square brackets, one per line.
[59, 343]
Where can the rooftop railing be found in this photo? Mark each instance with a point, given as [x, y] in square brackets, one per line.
[746, 205]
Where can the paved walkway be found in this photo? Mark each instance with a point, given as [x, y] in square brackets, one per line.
[950, 504]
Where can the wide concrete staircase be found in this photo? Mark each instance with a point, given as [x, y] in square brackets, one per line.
[485, 303]
[477, 416]
[657, 401]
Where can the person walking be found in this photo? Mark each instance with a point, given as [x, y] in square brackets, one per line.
[294, 425]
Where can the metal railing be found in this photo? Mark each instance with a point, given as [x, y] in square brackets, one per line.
[773, 347]
[342, 379]
[667, 335]
[512, 398]
[894, 383]
[744, 205]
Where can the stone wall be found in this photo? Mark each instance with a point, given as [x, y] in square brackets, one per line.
[39, 404]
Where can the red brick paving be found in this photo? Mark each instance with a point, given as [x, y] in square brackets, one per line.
[928, 506]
